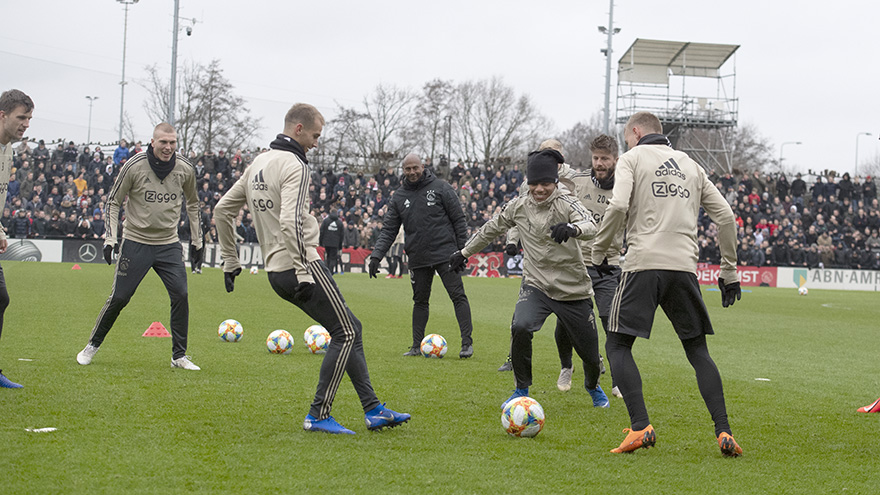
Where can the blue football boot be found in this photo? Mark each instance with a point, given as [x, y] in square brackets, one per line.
[326, 425]
[517, 393]
[381, 417]
[599, 397]
[7, 383]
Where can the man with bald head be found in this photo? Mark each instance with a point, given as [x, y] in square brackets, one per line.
[434, 225]
[151, 186]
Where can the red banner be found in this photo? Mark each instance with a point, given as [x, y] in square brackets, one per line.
[748, 275]
[485, 265]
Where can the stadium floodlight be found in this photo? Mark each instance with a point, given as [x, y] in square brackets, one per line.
[856, 170]
[91, 101]
[122, 83]
[610, 31]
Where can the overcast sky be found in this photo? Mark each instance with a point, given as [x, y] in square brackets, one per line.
[808, 74]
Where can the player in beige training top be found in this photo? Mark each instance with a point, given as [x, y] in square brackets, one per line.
[275, 189]
[658, 192]
[593, 189]
[16, 110]
[555, 278]
[152, 185]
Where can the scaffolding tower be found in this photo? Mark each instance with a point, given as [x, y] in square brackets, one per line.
[683, 85]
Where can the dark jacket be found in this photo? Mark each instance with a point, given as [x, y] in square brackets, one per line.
[331, 233]
[432, 218]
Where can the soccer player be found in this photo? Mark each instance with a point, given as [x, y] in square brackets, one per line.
[566, 185]
[275, 189]
[434, 224]
[657, 193]
[555, 278]
[593, 189]
[152, 185]
[16, 111]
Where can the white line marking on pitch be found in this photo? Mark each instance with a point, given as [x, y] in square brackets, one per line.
[40, 430]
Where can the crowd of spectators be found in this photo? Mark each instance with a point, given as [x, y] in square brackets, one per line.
[830, 222]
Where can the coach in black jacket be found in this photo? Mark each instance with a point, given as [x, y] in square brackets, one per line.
[434, 226]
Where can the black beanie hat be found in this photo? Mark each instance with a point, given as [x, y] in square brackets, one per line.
[544, 166]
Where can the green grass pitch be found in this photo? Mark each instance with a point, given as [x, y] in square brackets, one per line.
[128, 423]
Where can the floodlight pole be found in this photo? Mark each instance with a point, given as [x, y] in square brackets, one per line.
[91, 101]
[173, 85]
[123, 83]
[610, 31]
[856, 170]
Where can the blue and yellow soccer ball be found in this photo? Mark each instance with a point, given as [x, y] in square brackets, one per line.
[280, 342]
[230, 331]
[318, 339]
[522, 417]
[434, 346]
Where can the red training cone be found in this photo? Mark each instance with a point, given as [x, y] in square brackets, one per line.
[76, 267]
[157, 329]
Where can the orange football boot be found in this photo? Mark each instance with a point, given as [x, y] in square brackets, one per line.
[875, 407]
[729, 447]
[641, 439]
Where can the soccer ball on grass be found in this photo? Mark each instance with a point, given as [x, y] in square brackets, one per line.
[230, 331]
[317, 339]
[280, 342]
[803, 291]
[433, 346]
[522, 417]
[254, 270]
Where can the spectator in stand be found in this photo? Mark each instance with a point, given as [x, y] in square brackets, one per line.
[97, 226]
[40, 225]
[70, 154]
[121, 154]
[21, 225]
[221, 164]
[55, 229]
[351, 237]
[869, 189]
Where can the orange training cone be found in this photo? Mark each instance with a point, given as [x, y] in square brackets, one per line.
[157, 329]
[76, 267]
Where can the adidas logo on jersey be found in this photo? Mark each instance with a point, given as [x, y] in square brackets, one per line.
[670, 168]
[258, 184]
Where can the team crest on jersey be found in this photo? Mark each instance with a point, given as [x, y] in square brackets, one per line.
[431, 197]
[406, 204]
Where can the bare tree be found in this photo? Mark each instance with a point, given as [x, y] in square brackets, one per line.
[576, 141]
[339, 146]
[209, 114]
[493, 123]
[429, 127]
[381, 135]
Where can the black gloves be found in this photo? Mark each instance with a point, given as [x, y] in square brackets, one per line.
[108, 252]
[562, 232]
[730, 293]
[374, 266]
[511, 250]
[604, 268]
[229, 279]
[457, 262]
[196, 255]
[303, 292]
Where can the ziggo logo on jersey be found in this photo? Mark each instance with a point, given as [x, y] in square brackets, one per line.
[158, 197]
